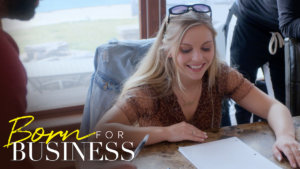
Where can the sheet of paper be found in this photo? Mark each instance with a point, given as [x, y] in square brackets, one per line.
[230, 153]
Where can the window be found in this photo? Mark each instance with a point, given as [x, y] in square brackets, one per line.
[57, 46]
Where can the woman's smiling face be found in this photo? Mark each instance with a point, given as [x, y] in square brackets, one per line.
[196, 53]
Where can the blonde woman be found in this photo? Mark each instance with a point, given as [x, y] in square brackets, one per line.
[177, 90]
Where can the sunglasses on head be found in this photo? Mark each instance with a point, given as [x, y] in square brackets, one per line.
[181, 9]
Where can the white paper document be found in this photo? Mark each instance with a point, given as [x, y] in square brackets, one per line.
[230, 153]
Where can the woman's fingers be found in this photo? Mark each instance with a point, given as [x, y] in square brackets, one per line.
[184, 131]
[197, 136]
[287, 145]
[277, 153]
[291, 151]
[290, 156]
[296, 152]
[194, 134]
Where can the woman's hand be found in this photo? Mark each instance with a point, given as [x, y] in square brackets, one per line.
[289, 147]
[184, 131]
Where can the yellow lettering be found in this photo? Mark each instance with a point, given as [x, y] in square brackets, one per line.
[51, 135]
[40, 132]
[36, 132]
[66, 135]
[19, 130]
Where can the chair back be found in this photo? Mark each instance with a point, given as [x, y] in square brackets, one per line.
[292, 75]
[114, 62]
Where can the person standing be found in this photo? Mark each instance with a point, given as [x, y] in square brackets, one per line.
[12, 74]
[258, 39]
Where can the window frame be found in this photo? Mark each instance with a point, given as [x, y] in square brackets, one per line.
[150, 20]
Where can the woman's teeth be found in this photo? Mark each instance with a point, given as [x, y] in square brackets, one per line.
[195, 67]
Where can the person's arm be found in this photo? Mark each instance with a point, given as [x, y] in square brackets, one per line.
[117, 120]
[279, 119]
[289, 18]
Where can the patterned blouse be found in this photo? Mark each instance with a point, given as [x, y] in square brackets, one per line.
[164, 111]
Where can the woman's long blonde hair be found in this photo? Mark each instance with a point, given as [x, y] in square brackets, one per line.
[158, 70]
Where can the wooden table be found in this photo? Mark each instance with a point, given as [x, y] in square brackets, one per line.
[257, 135]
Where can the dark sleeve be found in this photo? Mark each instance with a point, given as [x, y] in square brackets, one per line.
[12, 98]
[13, 80]
[289, 18]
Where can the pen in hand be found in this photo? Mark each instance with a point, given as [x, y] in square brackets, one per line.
[141, 145]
